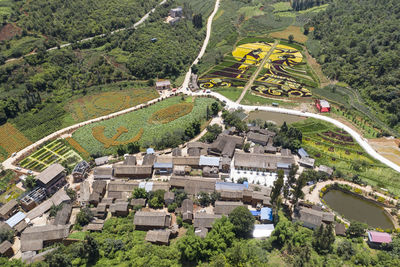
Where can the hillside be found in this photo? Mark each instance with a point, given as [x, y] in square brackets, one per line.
[353, 48]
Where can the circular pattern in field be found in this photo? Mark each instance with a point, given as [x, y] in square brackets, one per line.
[171, 113]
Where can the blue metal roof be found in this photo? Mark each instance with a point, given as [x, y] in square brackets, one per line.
[266, 214]
[302, 153]
[230, 186]
[160, 165]
[150, 151]
[255, 212]
[14, 220]
[209, 161]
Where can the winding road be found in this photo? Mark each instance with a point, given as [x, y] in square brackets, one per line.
[137, 24]
[8, 164]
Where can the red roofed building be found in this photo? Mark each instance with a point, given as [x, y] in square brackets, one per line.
[322, 105]
[376, 239]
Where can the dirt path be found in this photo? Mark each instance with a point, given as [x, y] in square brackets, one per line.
[255, 74]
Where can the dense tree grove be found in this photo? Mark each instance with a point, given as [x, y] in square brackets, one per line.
[305, 4]
[358, 42]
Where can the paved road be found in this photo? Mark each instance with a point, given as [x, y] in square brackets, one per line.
[137, 24]
[255, 74]
[185, 85]
[362, 141]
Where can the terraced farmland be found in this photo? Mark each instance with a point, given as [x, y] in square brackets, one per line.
[54, 152]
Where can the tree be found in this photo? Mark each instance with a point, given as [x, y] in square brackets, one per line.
[121, 150]
[84, 216]
[246, 147]
[191, 247]
[300, 183]
[356, 229]
[243, 222]
[6, 234]
[71, 193]
[283, 232]
[133, 148]
[215, 108]
[323, 239]
[276, 189]
[92, 249]
[29, 183]
[204, 199]
[197, 21]
[139, 193]
[346, 249]
[291, 38]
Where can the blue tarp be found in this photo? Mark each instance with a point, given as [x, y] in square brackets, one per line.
[150, 151]
[14, 220]
[255, 212]
[159, 165]
[266, 214]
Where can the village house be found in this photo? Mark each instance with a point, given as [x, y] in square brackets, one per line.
[326, 170]
[146, 220]
[102, 173]
[302, 153]
[225, 145]
[201, 232]
[129, 160]
[6, 249]
[307, 162]
[101, 161]
[132, 172]
[181, 170]
[163, 85]
[149, 159]
[312, 218]
[163, 168]
[100, 211]
[63, 215]
[59, 197]
[197, 149]
[36, 237]
[193, 162]
[95, 227]
[212, 172]
[160, 237]
[226, 207]
[204, 220]
[80, 171]
[119, 208]
[176, 152]
[84, 193]
[52, 178]
[340, 229]
[169, 197]
[187, 210]
[138, 202]
[257, 138]
[261, 163]
[8, 209]
[33, 198]
[193, 185]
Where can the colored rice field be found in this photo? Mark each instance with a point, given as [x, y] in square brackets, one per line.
[138, 125]
[11, 140]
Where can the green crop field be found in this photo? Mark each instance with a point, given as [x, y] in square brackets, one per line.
[54, 152]
[333, 147]
[136, 125]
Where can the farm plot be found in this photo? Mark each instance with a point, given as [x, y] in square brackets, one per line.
[92, 106]
[285, 73]
[54, 152]
[333, 147]
[142, 125]
[11, 140]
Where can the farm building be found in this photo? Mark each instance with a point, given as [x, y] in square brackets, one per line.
[260, 162]
[80, 171]
[257, 138]
[197, 149]
[169, 197]
[163, 168]
[163, 85]
[145, 220]
[377, 239]
[52, 178]
[307, 162]
[312, 218]
[102, 173]
[176, 12]
[138, 202]
[120, 208]
[325, 169]
[132, 172]
[160, 237]
[322, 105]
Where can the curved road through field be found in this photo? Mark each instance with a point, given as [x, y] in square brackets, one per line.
[8, 164]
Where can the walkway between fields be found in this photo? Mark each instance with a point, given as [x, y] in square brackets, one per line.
[255, 74]
[137, 24]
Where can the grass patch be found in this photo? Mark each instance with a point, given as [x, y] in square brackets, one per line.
[78, 235]
[252, 99]
[231, 93]
[134, 121]
[251, 11]
[281, 6]
[291, 30]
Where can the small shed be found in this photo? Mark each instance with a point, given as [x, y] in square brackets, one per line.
[138, 202]
[322, 105]
[16, 219]
[6, 249]
[8, 209]
[163, 85]
[302, 153]
[169, 198]
[95, 227]
[119, 209]
[163, 168]
[340, 229]
[377, 239]
[101, 161]
[325, 169]
[307, 162]
[187, 210]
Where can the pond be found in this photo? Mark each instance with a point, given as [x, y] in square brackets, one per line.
[278, 118]
[358, 209]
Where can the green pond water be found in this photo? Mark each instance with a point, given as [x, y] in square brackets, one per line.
[355, 208]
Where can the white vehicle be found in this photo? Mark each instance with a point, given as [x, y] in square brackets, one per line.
[30, 172]
[14, 154]
[208, 92]
[18, 168]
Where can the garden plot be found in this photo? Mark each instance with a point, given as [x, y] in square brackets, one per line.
[143, 125]
[333, 147]
[54, 152]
